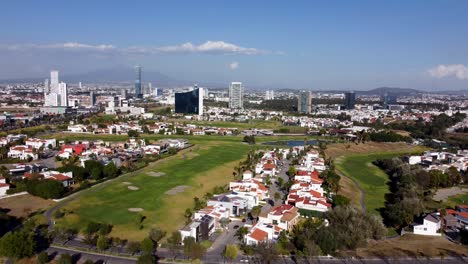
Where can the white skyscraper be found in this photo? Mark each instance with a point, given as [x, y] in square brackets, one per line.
[55, 93]
[236, 95]
[63, 93]
[46, 87]
[269, 95]
[54, 81]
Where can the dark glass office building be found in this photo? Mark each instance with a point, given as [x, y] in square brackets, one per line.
[189, 102]
[138, 92]
[350, 100]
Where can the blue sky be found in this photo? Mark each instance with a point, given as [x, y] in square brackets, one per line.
[292, 44]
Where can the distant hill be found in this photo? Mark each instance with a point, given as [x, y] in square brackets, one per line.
[119, 75]
[390, 90]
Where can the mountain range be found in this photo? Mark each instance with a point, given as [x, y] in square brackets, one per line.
[127, 75]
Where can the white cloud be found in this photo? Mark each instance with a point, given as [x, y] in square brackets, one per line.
[219, 47]
[233, 65]
[66, 46]
[208, 47]
[460, 71]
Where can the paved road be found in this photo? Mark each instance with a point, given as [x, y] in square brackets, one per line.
[225, 238]
[83, 256]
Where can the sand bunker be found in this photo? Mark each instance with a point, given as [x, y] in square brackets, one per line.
[135, 210]
[126, 183]
[133, 188]
[178, 189]
[155, 174]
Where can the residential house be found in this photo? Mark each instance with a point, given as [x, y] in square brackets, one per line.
[4, 187]
[22, 152]
[430, 226]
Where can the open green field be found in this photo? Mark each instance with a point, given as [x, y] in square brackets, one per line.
[457, 199]
[265, 124]
[199, 169]
[193, 139]
[370, 178]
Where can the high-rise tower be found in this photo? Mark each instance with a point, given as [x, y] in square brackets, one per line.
[138, 92]
[236, 94]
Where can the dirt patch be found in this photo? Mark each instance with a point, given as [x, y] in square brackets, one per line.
[348, 189]
[126, 183]
[341, 149]
[178, 189]
[135, 210]
[133, 188]
[155, 174]
[444, 194]
[412, 246]
[23, 205]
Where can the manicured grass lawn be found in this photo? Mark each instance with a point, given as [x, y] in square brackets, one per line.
[201, 168]
[458, 199]
[369, 177]
[266, 124]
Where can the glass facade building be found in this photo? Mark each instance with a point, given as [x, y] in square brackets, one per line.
[138, 92]
[350, 100]
[189, 102]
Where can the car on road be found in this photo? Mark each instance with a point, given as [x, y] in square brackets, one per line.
[235, 227]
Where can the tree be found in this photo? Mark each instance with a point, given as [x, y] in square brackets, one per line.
[340, 200]
[146, 259]
[241, 232]
[47, 189]
[173, 242]
[267, 252]
[102, 243]
[19, 244]
[188, 215]
[192, 249]
[133, 133]
[156, 234]
[224, 222]
[105, 229]
[91, 228]
[133, 247]
[65, 259]
[188, 245]
[249, 139]
[147, 246]
[110, 170]
[230, 252]
[291, 171]
[42, 258]
[96, 173]
[255, 212]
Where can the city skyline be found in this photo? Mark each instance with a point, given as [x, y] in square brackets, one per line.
[355, 46]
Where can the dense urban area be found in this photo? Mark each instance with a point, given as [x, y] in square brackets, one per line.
[134, 173]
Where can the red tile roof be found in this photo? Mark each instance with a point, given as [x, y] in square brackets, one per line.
[259, 235]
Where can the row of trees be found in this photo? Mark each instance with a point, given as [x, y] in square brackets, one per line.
[421, 129]
[388, 136]
[348, 228]
[410, 188]
[26, 241]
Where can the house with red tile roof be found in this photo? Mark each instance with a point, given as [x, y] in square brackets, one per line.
[280, 218]
[22, 152]
[250, 186]
[66, 178]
